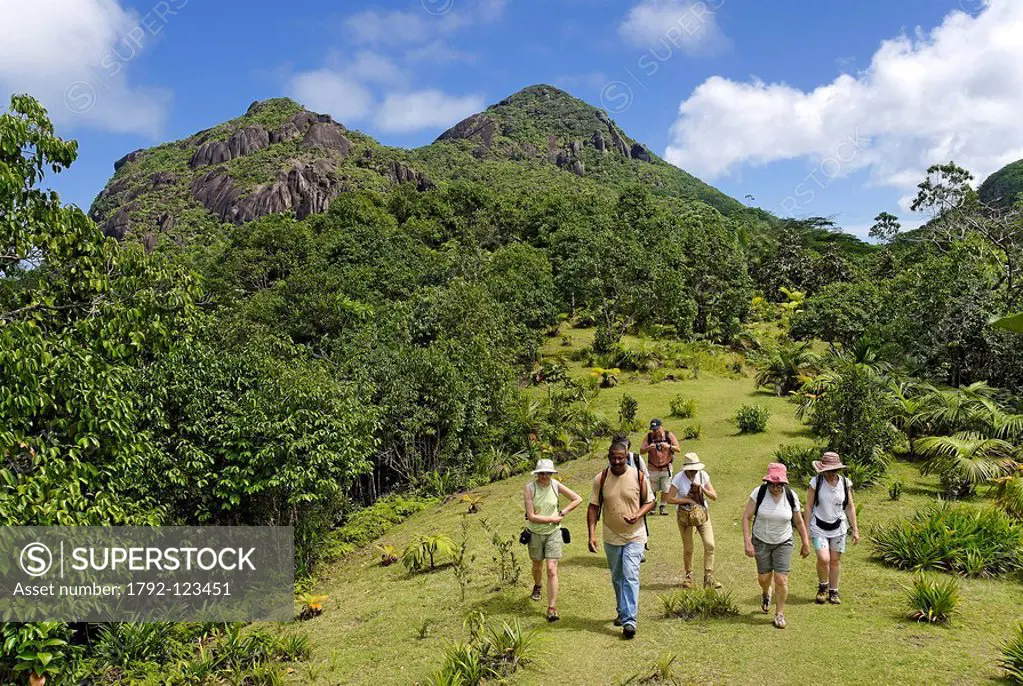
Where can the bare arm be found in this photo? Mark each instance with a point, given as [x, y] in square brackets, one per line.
[569, 493]
[811, 499]
[591, 526]
[675, 448]
[672, 497]
[747, 536]
[708, 489]
[797, 520]
[850, 509]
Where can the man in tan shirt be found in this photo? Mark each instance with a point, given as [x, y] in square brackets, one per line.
[622, 496]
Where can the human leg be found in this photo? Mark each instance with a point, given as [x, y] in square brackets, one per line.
[614, 563]
[631, 556]
[552, 587]
[687, 554]
[823, 553]
[536, 555]
[707, 536]
[834, 569]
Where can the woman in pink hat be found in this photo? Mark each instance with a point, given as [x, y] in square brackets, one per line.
[773, 509]
[830, 514]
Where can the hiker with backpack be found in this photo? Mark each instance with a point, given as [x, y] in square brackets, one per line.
[621, 497]
[660, 446]
[830, 515]
[691, 490]
[544, 529]
[774, 509]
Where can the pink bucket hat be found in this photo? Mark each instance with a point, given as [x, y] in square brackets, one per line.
[776, 473]
[828, 462]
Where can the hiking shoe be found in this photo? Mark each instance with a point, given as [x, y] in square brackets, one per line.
[618, 621]
[688, 581]
[629, 631]
[779, 620]
[710, 582]
[552, 614]
[765, 603]
[833, 597]
[663, 511]
[822, 593]
[537, 591]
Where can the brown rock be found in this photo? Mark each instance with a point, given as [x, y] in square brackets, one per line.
[217, 192]
[579, 168]
[303, 120]
[328, 136]
[247, 141]
[127, 159]
[402, 173]
[119, 225]
[598, 142]
[478, 126]
[640, 153]
[286, 132]
[210, 152]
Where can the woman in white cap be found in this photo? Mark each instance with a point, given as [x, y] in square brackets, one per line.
[690, 490]
[544, 525]
[830, 515]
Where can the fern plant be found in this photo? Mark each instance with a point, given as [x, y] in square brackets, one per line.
[933, 601]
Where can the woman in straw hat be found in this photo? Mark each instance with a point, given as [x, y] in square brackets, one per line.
[544, 525]
[690, 490]
[830, 514]
[774, 510]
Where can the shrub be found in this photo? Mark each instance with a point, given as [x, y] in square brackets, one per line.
[752, 419]
[490, 654]
[1012, 657]
[683, 407]
[628, 408]
[954, 538]
[425, 552]
[125, 645]
[933, 600]
[699, 603]
[692, 432]
[798, 461]
[895, 490]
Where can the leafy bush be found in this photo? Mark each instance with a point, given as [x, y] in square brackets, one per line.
[933, 600]
[628, 408]
[1012, 657]
[752, 418]
[425, 552]
[683, 407]
[490, 654]
[699, 603]
[895, 490]
[798, 461]
[124, 645]
[692, 432]
[954, 538]
[37, 648]
[370, 523]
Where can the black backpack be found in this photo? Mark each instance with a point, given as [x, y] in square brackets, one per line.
[762, 491]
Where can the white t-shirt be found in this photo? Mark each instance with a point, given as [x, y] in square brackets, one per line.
[682, 484]
[829, 507]
[773, 524]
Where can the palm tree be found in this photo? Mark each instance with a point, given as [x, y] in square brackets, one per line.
[966, 460]
[786, 368]
[959, 409]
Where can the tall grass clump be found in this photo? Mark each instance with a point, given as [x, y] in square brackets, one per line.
[699, 603]
[932, 600]
[953, 538]
[489, 654]
[682, 407]
[1012, 657]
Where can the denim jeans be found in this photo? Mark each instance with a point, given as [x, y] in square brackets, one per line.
[623, 561]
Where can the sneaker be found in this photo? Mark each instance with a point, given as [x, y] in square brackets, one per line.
[833, 597]
[765, 603]
[710, 582]
[629, 631]
[822, 593]
[688, 581]
[663, 510]
[552, 614]
[537, 591]
[618, 621]
[779, 620]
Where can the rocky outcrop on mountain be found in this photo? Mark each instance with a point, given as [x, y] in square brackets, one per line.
[478, 126]
[284, 133]
[210, 152]
[399, 172]
[329, 136]
[304, 189]
[638, 152]
[244, 142]
[119, 224]
[130, 157]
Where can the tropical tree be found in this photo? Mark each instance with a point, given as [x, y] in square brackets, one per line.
[786, 367]
[966, 460]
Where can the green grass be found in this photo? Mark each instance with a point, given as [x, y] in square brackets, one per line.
[370, 621]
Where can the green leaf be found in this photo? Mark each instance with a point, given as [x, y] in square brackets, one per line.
[1012, 322]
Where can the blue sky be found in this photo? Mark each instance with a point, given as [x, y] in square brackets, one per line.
[832, 111]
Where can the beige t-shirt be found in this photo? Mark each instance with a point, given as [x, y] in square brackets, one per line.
[621, 499]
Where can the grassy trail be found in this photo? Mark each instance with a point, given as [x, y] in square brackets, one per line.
[369, 631]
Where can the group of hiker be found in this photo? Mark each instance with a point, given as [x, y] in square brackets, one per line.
[626, 491]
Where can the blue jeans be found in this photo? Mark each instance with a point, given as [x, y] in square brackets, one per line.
[623, 561]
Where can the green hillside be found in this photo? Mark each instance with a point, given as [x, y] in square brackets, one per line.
[1004, 186]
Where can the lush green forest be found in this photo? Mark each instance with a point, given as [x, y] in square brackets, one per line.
[182, 357]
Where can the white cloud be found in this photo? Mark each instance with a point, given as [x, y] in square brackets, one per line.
[369, 66]
[687, 25]
[326, 90]
[75, 56]
[433, 18]
[438, 52]
[954, 92]
[407, 112]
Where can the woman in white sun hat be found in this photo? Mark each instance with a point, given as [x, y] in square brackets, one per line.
[690, 490]
[544, 525]
[830, 515]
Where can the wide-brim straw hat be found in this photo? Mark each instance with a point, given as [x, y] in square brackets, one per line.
[545, 467]
[776, 474]
[828, 462]
[692, 462]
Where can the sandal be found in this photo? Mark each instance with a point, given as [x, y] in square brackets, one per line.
[552, 614]
[537, 591]
[765, 603]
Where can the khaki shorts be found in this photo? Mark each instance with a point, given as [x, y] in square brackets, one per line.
[660, 481]
[773, 558]
[545, 547]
